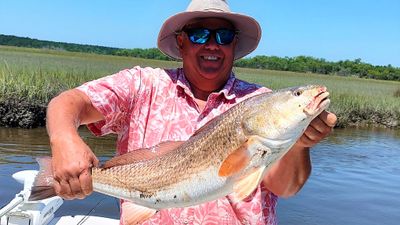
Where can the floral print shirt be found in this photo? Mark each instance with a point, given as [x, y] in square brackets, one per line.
[146, 106]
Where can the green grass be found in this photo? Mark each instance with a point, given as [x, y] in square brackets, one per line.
[354, 100]
[397, 93]
[38, 75]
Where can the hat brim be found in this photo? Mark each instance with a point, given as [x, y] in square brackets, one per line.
[248, 37]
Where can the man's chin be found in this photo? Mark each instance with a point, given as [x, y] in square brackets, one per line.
[210, 74]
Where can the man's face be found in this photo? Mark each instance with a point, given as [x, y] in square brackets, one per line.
[207, 66]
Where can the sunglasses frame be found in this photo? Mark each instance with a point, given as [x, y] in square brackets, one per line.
[213, 32]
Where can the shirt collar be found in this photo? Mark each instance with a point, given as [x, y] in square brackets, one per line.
[227, 91]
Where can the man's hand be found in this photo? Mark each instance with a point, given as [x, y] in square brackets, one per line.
[72, 162]
[72, 158]
[318, 129]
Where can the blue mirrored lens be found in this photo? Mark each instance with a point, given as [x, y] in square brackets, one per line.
[199, 36]
[224, 36]
[202, 35]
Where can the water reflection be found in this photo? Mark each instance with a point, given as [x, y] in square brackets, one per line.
[22, 146]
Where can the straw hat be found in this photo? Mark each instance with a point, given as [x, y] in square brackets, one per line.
[249, 30]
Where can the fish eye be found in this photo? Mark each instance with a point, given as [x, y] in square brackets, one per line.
[297, 93]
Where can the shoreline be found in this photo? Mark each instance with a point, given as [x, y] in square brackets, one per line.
[22, 114]
[27, 114]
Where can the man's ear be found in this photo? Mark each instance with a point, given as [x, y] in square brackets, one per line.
[179, 41]
[235, 41]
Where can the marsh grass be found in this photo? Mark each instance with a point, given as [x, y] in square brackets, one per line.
[356, 101]
[34, 74]
[397, 93]
[38, 75]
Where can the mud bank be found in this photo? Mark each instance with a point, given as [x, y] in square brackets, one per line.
[368, 119]
[21, 113]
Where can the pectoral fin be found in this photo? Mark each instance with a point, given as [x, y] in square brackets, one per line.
[235, 162]
[135, 214]
[245, 186]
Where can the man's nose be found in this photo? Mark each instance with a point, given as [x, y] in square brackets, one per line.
[212, 43]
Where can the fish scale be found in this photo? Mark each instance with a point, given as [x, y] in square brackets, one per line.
[192, 157]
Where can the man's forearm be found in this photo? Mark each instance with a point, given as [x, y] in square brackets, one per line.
[68, 111]
[287, 176]
[63, 114]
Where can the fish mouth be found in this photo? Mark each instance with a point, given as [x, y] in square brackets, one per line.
[319, 102]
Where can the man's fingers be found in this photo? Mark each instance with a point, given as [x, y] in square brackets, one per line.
[95, 161]
[320, 126]
[85, 180]
[57, 187]
[305, 141]
[65, 190]
[328, 118]
[312, 133]
[76, 189]
[310, 137]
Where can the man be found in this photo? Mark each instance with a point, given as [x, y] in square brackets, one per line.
[146, 106]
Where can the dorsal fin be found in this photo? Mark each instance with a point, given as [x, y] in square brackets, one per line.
[206, 125]
[142, 154]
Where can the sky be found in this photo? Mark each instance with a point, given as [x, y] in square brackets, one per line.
[330, 29]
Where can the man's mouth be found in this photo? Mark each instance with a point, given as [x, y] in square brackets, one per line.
[210, 58]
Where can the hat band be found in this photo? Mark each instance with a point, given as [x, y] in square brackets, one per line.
[215, 10]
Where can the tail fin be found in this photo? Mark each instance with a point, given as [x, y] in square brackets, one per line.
[43, 185]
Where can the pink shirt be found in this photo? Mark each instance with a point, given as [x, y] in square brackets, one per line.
[146, 106]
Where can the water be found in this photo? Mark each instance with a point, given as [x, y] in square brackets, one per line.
[355, 178]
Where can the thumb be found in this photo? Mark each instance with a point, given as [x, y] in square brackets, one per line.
[95, 161]
[330, 119]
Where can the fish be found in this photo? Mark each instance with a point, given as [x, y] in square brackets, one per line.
[229, 155]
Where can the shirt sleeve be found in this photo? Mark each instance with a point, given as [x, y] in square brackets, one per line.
[113, 97]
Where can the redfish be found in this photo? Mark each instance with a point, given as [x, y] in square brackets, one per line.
[229, 155]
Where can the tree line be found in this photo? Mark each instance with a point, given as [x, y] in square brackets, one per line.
[305, 64]
[11, 40]
[310, 64]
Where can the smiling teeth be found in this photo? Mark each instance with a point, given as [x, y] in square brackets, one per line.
[212, 58]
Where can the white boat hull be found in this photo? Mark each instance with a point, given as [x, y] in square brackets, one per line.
[20, 211]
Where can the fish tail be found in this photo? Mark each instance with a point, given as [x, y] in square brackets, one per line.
[43, 185]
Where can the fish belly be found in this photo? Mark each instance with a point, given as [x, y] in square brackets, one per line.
[200, 188]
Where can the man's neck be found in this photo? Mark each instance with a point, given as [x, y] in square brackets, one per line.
[202, 88]
[200, 94]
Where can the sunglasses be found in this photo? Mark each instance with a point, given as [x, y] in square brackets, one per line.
[202, 35]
